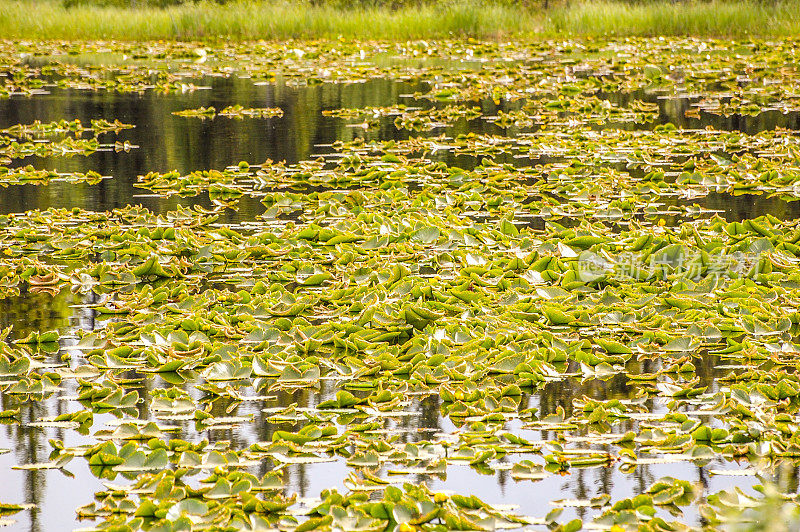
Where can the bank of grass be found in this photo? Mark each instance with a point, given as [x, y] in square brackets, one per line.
[714, 19]
[261, 20]
[282, 19]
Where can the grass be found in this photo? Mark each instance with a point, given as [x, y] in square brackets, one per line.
[715, 19]
[259, 20]
[280, 19]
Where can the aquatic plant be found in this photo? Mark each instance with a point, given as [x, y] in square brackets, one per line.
[564, 244]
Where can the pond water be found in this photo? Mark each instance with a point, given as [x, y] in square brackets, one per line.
[162, 141]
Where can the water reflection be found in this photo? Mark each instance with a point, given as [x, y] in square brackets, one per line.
[47, 488]
[168, 142]
[745, 206]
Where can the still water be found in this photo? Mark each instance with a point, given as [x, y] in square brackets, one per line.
[166, 142]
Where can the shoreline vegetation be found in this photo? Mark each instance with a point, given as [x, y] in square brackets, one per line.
[248, 20]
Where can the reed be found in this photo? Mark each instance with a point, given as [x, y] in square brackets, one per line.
[285, 19]
[708, 19]
[262, 20]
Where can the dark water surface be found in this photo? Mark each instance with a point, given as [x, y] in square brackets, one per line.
[166, 142]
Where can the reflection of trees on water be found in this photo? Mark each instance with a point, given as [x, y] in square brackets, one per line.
[28, 312]
[429, 415]
[38, 311]
[168, 142]
[28, 446]
[35, 480]
[34, 311]
[295, 476]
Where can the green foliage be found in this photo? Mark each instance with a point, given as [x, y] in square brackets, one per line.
[388, 19]
[122, 4]
[712, 18]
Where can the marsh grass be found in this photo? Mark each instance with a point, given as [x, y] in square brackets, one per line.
[261, 20]
[714, 19]
[49, 19]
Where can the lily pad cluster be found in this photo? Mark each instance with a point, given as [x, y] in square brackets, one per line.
[232, 111]
[63, 139]
[401, 309]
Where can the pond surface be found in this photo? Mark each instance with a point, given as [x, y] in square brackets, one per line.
[576, 387]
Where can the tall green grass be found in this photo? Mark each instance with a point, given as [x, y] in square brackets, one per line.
[718, 18]
[261, 20]
[282, 19]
